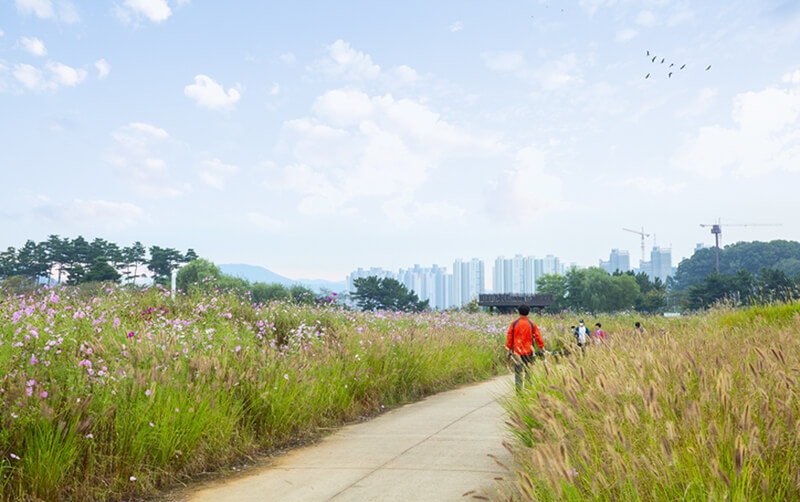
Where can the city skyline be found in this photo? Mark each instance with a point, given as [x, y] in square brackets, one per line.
[515, 275]
[311, 138]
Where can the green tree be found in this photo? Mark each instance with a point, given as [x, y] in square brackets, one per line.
[134, 256]
[261, 292]
[8, 263]
[101, 271]
[58, 250]
[556, 285]
[192, 276]
[373, 293]
[162, 262]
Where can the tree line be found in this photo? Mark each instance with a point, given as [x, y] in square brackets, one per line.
[77, 261]
[595, 290]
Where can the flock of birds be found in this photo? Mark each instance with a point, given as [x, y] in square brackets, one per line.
[671, 65]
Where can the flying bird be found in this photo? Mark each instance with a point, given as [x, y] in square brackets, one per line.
[682, 67]
[670, 75]
[708, 67]
[662, 60]
[648, 53]
[653, 60]
[671, 65]
[647, 76]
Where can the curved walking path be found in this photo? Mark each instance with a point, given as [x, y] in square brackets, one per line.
[432, 450]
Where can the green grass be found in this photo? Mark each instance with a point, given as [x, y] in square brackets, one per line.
[121, 393]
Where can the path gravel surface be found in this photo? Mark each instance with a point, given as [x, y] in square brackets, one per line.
[433, 450]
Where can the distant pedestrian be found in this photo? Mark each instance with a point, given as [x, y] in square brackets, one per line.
[582, 335]
[599, 334]
[521, 335]
[638, 329]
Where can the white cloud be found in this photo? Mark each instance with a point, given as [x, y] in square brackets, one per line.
[792, 78]
[209, 94]
[356, 147]
[353, 66]
[503, 61]
[287, 58]
[103, 68]
[347, 63]
[81, 213]
[154, 10]
[526, 189]
[403, 74]
[2, 33]
[140, 154]
[701, 103]
[457, 26]
[653, 185]
[104, 213]
[30, 77]
[66, 75]
[765, 137]
[65, 12]
[275, 89]
[59, 75]
[40, 8]
[263, 221]
[559, 73]
[214, 173]
[551, 75]
[33, 45]
[626, 35]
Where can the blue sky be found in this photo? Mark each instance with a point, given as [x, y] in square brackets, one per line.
[316, 137]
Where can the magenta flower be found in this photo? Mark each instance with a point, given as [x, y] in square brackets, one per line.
[131, 334]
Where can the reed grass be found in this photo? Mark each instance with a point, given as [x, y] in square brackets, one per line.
[699, 408]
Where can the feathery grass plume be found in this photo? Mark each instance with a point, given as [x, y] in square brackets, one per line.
[714, 413]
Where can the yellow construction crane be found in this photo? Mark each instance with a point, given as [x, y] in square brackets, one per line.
[640, 233]
[716, 229]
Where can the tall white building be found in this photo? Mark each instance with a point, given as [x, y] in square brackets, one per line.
[618, 260]
[468, 280]
[660, 264]
[514, 275]
[361, 273]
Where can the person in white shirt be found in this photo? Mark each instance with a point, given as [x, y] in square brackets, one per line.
[582, 335]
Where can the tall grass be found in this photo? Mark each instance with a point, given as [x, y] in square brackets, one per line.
[702, 408]
[115, 393]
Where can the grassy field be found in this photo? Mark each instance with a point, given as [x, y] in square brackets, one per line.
[699, 408]
[113, 393]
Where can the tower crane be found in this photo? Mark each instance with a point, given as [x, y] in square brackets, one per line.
[640, 233]
[716, 229]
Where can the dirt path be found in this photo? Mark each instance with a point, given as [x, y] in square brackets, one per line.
[434, 450]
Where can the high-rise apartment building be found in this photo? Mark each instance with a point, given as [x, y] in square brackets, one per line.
[514, 275]
[618, 260]
[660, 264]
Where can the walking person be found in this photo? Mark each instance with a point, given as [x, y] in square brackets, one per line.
[521, 335]
[599, 334]
[582, 335]
[638, 329]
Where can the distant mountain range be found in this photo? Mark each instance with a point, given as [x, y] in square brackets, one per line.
[255, 273]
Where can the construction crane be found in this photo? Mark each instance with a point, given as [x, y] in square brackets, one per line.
[640, 233]
[716, 229]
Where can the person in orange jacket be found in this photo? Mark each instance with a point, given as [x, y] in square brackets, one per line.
[521, 334]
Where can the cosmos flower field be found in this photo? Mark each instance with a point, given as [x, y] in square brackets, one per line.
[112, 393]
